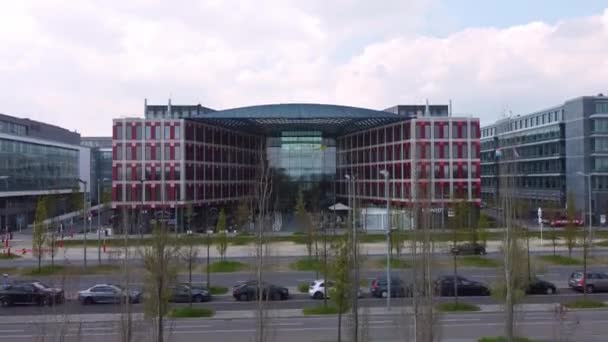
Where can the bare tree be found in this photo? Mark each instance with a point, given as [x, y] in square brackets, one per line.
[241, 215]
[158, 258]
[126, 322]
[263, 187]
[304, 223]
[570, 231]
[222, 236]
[189, 254]
[341, 271]
[40, 230]
[51, 242]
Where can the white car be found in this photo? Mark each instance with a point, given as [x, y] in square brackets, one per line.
[316, 289]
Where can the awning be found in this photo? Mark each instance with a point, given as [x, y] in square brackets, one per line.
[339, 207]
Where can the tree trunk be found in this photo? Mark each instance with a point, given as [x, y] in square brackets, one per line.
[455, 280]
[340, 324]
[190, 276]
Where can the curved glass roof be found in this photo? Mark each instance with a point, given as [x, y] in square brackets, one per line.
[274, 118]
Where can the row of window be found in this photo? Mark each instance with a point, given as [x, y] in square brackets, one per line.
[133, 131]
[13, 128]
[402, 152]
[541, 183]
[400, 190]
[208, 192]
[401, 131]
[529, 167]
[174, 152]
[404, 171]
[601, 107]
[523, 123]
[207, 173]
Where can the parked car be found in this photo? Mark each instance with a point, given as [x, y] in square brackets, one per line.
[444, 286]
[563, 221]
[539, 286]
[108, 293]
[34, 292]
[469, 249]
[316, 289]
[249, 291]
[596, 281]
[379, 288]
[184, 293]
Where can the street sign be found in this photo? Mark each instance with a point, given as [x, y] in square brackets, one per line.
[451, 212]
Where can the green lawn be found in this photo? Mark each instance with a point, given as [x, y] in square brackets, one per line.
[455, 307]
[477, 261]
[5, 256]
[218, 290]
[45, 270]
[586, 304]
[395, 263]
[503, 339]
[320, 310]
[307, 264]
[191, 312]
[226, 266]
[560, 260]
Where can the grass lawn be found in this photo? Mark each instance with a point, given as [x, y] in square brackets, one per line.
[454, 307]
[603, 243]
[5, 256]
[395, 263]
[560, 260]
[307, 264]
[585, 304]
[320, 310]
[45, 270]
[225, 266]
[477, 261]
[191, 312]
[218, 290]
[503, 339]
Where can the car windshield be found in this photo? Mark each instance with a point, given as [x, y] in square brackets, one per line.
[40, 285]
[576, 275]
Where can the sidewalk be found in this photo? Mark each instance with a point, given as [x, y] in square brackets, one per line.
[249, 314]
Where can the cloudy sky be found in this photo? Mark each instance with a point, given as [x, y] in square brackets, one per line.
[79, 64]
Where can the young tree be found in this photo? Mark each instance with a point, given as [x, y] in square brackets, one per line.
[570, 231]
[482, 229]
[39, 234]
[126, 322]
[341, 270]
[304, 223]
[160, 272]
[51, 242]
[189, 216]
[222, 235]
[241, 216]
[189, 253]
[459, 224]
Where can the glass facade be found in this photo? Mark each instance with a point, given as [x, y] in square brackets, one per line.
[302, 156]
[35, 167]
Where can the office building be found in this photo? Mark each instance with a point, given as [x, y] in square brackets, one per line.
[181, 155]
[101, 166]
[551, 153]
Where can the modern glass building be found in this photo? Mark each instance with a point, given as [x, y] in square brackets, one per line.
[101, 165]
[549, 154]
[180, 155]
[35, 159]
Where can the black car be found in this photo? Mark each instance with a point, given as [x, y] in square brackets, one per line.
[33, 292]
[444, 286]
[249, 291]
[469, 249]
[184, 293]
[539, 286]
[379, 288]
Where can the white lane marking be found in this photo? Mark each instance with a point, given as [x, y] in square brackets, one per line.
[11, 331]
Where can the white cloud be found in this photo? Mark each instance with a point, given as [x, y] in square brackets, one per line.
[80, 64]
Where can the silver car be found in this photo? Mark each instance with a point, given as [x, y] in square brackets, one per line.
[595, 282]
[108, 293]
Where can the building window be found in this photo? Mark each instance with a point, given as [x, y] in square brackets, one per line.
[601, 107]
[138, 134]
[600, 164]
[176, 132]
[600, 125]
[167, 131]
[148, 152]
[148, 132]
[118, 135]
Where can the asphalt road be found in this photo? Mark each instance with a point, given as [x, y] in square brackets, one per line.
[541, 326]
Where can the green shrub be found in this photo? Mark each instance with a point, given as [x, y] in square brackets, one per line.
[585, 303]
[560, 260]
[452, 307]
[218, 290]
[320, 310]
[303, 287]
[191, 312]
[477, 261]
[226, 266]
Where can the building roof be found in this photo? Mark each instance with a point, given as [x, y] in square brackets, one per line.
[331, 119]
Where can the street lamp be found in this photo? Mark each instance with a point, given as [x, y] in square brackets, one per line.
[99, 208]
[351, 179]
[5, 178]
[141, 216]
[589, 235]
[386, 175]
[84, 216]
[588, 176]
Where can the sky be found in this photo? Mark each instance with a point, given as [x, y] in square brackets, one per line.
[79, 64]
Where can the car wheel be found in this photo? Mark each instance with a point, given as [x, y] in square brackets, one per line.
[590, 289]
[88, 301]
[45, 301]
[550, 291]
[318, 295]
[197, 299]
[5, 302]
[383, 294]
[244, 297]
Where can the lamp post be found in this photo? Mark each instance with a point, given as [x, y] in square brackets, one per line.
[99, 208]
[589, 235]
[355, 284]
[84, 217]
[141, 211]
[5, 179]
[386, 175]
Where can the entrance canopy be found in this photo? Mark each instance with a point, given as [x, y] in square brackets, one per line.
[339, 207]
